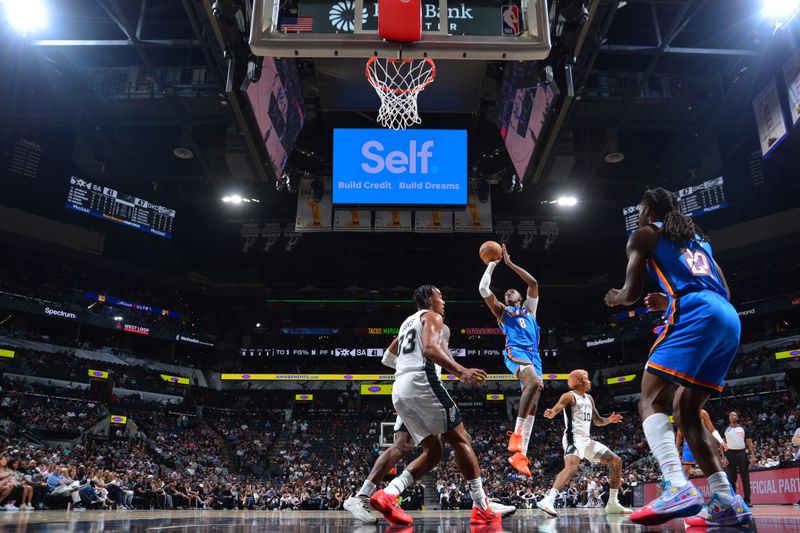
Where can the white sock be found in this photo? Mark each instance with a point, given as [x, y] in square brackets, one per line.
[367, 489]
[476, 491]
[399, 484]
[718, 481]
[527, 429]
[612, 495]
[552, 495]
[661, 440]
[520, 425]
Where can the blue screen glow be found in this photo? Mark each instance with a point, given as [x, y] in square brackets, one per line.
[407, 167]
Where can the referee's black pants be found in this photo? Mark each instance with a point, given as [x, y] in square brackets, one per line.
[738, 464]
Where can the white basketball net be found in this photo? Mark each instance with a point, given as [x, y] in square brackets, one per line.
[397, 82]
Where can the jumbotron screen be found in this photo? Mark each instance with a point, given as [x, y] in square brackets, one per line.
[109, 204]
[695, 200]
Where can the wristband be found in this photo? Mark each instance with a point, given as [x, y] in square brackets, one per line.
[717, 437]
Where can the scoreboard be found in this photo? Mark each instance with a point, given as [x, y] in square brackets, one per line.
[109, 204]
[695, 200]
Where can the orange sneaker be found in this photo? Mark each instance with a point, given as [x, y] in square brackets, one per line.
[484, 517]
[387, 505]
[520, 464]
[515, 442]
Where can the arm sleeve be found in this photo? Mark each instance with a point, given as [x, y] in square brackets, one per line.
[532, 304]
[389, 359]
[486, 281]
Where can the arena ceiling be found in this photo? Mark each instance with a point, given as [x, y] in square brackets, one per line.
[111, 88]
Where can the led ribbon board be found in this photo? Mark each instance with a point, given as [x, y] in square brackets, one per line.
[118, 419]
[174, 379]
[495, 397]
[788, 354]
[621, 379]
[363, 377]
[303, 397]
[8, 354]
[375, 389]
[97, 374]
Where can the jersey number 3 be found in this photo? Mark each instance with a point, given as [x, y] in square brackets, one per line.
[408, 342]
[698, 262]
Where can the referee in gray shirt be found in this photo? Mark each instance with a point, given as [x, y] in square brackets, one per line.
[738, 438]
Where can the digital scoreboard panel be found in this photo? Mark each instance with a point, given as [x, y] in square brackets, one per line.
[109, 204]
[695, 200]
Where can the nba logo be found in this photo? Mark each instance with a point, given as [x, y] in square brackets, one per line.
[510, 16]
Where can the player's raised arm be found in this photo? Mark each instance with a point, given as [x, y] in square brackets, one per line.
[491, 300]
[532, 294]
[641, 243]
[565, 401]
[432, 349]
[613, 418]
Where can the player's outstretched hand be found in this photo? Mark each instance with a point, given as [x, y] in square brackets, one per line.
[656, 301]
[612, 297]
[506, 257]
[473, 375]
[723, 446]
[549, 413]
[615, 418]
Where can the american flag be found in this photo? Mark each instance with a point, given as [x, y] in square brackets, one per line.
[297, 24]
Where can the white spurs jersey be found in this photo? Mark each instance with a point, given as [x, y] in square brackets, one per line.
[578, 417]
[410, 357]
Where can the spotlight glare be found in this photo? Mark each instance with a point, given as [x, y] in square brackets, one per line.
[246, 200]
[780, 10]
[258, 324]
[567, 201]
[26, 16]
[226, 199]
[236, 199]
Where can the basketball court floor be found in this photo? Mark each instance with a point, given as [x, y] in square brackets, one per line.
[777, 519]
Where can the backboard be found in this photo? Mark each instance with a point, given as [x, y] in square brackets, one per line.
[470, 29]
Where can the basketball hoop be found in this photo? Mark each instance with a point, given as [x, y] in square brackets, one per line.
[397, 82]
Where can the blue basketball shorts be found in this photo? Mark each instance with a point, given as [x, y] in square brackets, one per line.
[699, 342]
[688, 456]
[516, 357]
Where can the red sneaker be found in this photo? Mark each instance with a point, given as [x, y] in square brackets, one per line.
[387, 505]
[515, 442]
[484, 517]
[520, 464]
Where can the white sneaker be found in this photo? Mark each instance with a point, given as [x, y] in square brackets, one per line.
[548, 506]
[27, 507]
[11, 507]
[502, 510]
[360, 508]
[614, 507]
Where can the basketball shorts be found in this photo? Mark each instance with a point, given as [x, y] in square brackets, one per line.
[584, 448]
[699, 342]
[517, 357]
[399, 426]
[688, 456]
[424, 405]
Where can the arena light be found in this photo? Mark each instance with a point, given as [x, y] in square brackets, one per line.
[780, 11]
[26, 16]
[567, 201]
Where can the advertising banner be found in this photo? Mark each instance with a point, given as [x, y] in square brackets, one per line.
[386, 221]
[433, 221]
[769, 118]
[352, 220]
[779, 486]
[475, 218]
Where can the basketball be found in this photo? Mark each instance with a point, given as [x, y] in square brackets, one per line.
[490, 251]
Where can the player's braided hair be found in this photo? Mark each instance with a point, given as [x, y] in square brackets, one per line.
[423, 296]
[677, 226]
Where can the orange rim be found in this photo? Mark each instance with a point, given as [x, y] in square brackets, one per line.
[387, 89]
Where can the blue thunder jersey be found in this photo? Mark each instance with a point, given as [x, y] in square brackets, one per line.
[520, 328]
[685, 267]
